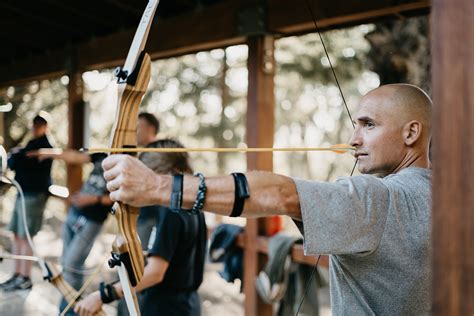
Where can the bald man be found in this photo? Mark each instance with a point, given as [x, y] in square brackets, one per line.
[375, 227]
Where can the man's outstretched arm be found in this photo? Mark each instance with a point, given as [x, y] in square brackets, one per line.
[131, 182]
[70, 156]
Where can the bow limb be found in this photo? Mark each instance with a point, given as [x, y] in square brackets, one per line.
[132, 81]
[70, 294]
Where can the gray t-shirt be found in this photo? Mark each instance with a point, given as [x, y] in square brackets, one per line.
[378, 233]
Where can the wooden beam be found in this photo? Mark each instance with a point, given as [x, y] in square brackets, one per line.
[76, 128]
[2, 128]
[260, 128]
[23, 10]
[453, 152]
[288, 18]
[47, 66]
[297, 251]
[183, 34]
[212, 27]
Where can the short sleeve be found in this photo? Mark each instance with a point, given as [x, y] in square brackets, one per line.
[344, 217]
[167, 234]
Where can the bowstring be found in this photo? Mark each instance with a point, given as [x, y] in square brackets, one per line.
[330, 63]
[353, 126]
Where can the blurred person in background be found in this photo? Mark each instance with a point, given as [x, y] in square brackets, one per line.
[148, 127]
[176, 252]
[34, 177]
[86, 215]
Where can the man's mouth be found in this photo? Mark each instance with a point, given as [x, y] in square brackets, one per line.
[357, 155]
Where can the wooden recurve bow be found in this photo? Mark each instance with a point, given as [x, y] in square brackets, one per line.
[132, 80]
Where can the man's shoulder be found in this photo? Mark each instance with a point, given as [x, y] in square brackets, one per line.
[411, 173]
[411, 178]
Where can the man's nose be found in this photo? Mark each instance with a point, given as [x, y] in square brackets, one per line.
[356, 140]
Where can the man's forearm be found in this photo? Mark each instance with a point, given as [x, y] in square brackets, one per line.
[270, 194]
[131, 182]
[71, 156]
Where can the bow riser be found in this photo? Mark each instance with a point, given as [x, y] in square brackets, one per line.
[129, 99]
[127, 244]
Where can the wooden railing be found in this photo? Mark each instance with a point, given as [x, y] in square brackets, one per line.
[297, 252]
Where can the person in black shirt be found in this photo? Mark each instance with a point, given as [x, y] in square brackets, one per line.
[89, 209]
[147, 128]
[34, 178]
[175, 265]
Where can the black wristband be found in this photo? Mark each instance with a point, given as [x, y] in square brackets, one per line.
[176, 199]
[242, 192]
[107, 293]
[112, 292]
[201, 194]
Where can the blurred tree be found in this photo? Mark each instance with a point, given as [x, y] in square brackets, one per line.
[400, 51]
[201, 100]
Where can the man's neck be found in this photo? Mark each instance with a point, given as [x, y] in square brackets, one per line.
[420, 160]
[39, 136]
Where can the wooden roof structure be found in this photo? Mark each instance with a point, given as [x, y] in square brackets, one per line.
[50, 38]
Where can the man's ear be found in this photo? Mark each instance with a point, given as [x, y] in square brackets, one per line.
[412, 132]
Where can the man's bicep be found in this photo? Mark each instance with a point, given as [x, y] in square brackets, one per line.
[343, 217]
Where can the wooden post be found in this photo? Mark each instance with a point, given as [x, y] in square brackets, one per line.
[76, 128]
[2, 127]
[453, 153]
[260, 129]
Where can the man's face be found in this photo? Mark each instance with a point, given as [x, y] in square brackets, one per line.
[145, 132]
[378, 135]
[39, 130]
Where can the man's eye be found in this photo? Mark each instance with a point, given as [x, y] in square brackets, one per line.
[369, 124]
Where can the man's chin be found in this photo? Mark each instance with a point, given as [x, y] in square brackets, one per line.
[364, 169]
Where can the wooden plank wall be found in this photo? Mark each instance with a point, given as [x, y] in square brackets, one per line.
[453, 152]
